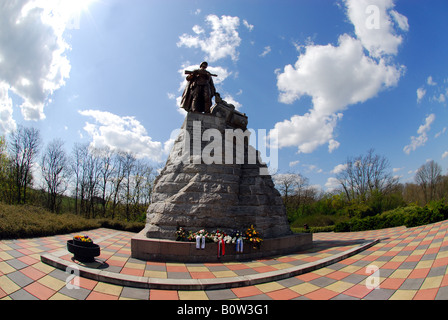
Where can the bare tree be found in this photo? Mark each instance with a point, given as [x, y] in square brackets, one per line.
[79, 153]
[24, 147]
[105, 174]
[291, 185]
[54, 166]
[365, 175]
[428, 177]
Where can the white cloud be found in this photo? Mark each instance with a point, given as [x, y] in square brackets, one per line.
[122, 133]
[438, 134]
[222, 41]
[248, 25]
[332, 184]
[421, 92]
[266, 51]
[374, 22]
[33, 63]
[339, 168]
[430, 81]
[441, 98]
[7, 124]
[307, 132]
[335, 77]
[422, 137]
[445, 155]
[294, 163]
[338, 76]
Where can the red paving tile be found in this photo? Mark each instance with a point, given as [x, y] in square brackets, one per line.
[234, 267]
[321, 294]
[133, 272]
[358, 291]
[392, 283]
[28, 260]
[246, 291]
[264, 269]
[86, 283]
[40, 291]
[163, 295]
[308, 276]
[176, 269]
[202, 275]
[419, 273]
[101, 296]
[32, 273]
[283, 294]
[426, 294]
[338, 275]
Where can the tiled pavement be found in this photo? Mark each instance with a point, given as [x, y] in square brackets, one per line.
[410, 264]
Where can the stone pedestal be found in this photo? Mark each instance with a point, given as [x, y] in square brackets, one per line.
[213, 179]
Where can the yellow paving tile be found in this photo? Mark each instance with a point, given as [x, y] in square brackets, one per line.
[270, 286]
[52, 283]
[350, 269]
[255, 264]
[432, 282]
[281, 266]
[60, 296]
[4, 247]
[7, 285]
[418, 252]
[5, 256]
[155, 274]
[304, 288]
[339, 286]
[401, 273]
[403, 295]
[424, 264]
[323, 271]
[197, 269]
[398, 259]
[192, 295]
[224, 274]
[6, 268]
[45, 268]
[108, 288]
[138, 266]
[442, 254]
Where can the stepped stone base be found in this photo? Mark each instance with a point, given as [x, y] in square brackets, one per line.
[176, 251]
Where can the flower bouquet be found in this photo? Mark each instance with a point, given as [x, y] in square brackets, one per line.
[82, 240]
[253, 237]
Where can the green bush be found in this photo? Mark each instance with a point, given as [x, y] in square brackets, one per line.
[410, 216]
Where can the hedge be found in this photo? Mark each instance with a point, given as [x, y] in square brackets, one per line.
[411, 216]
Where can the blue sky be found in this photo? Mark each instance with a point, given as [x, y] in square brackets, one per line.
[332, 78]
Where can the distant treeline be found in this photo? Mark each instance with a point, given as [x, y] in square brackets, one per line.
[367, 187]
[87, 181]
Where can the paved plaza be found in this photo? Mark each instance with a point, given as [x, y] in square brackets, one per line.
[402, 264]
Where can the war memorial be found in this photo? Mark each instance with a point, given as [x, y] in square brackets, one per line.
[213, 188]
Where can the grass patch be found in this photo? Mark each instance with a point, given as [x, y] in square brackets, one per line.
[19, 222]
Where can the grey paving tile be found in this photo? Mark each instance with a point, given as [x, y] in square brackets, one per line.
[19, 278]
[224, 294]
[135, 293]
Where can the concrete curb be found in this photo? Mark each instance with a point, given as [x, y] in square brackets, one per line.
[201, 284]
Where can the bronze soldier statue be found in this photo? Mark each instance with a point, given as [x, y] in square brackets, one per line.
[200, 90]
